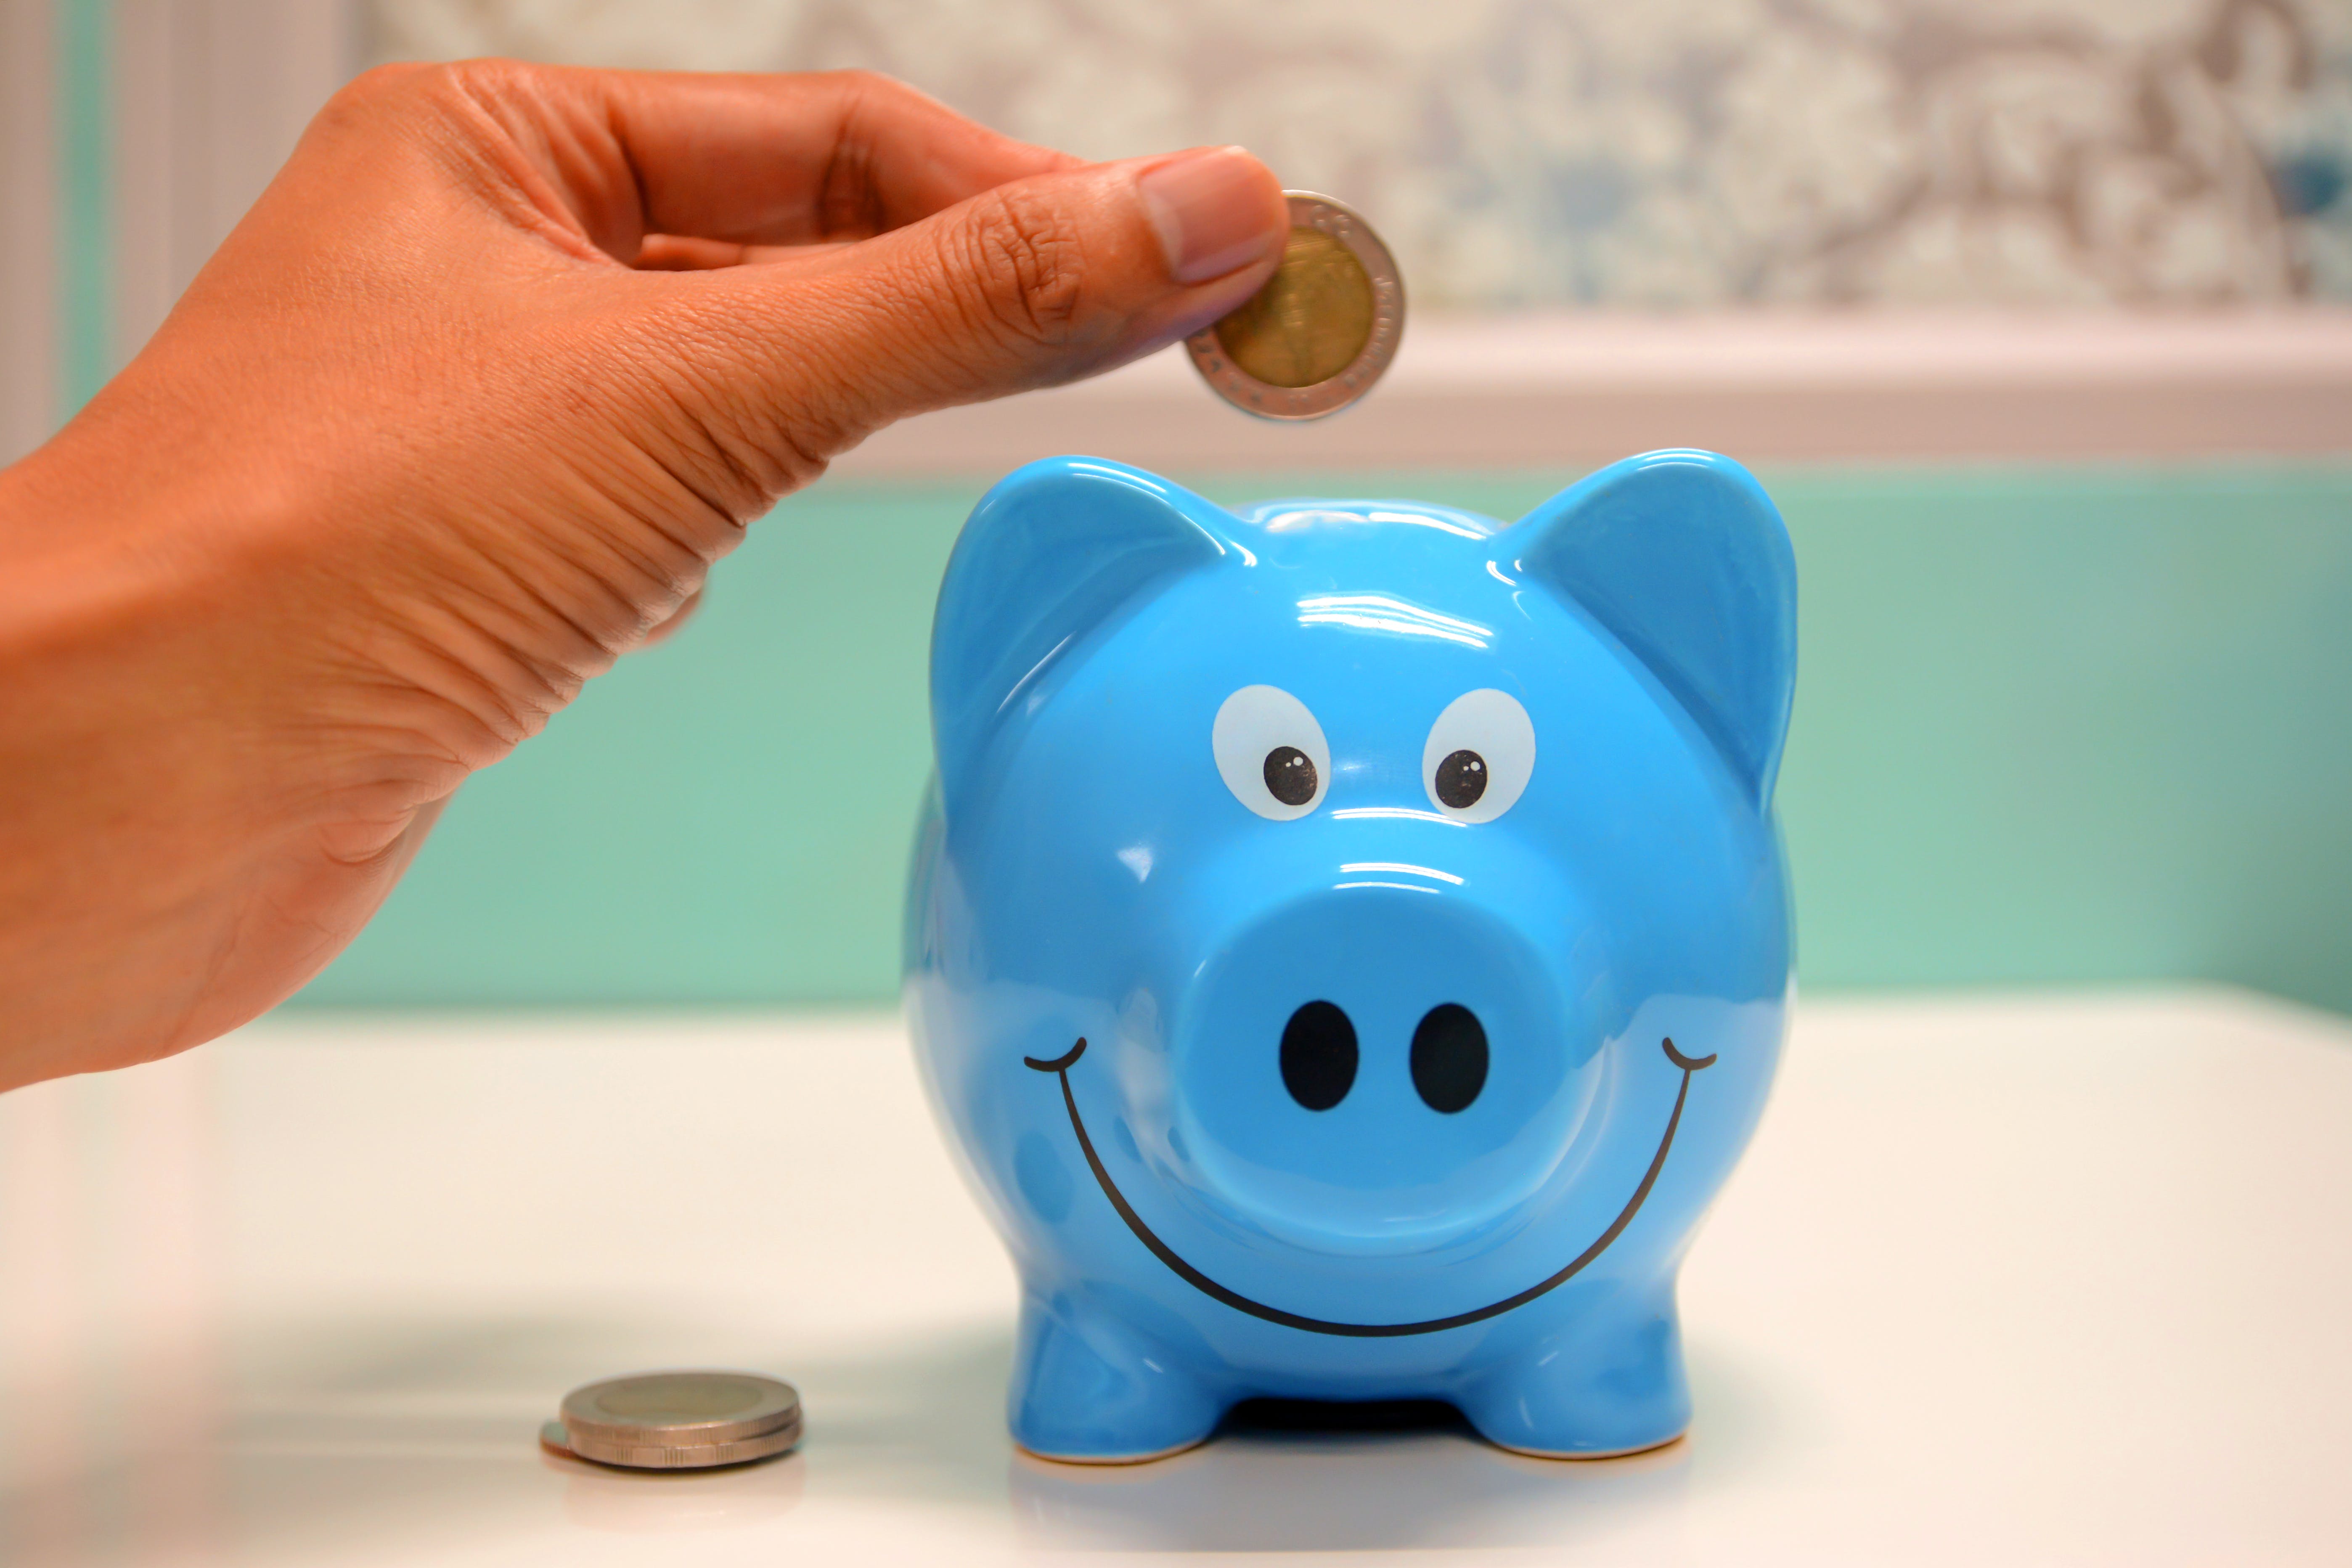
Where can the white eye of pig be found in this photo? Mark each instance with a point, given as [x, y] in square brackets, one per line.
[1271, 752]
[1479, 755]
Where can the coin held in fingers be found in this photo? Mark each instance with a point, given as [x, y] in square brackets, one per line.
[1321, 331]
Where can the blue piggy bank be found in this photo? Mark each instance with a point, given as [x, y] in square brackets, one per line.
[1348, 940]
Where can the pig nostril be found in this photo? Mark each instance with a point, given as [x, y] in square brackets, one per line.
[1319, 1056]
[1449, 1058]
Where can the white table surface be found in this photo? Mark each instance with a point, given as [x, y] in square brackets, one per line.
[2057, 1279]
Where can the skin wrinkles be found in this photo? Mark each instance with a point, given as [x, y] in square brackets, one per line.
[419, 452]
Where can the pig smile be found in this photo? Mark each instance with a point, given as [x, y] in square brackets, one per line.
[1060, 1067]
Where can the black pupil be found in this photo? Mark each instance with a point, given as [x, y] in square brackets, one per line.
[1290, 776]
[1449, 1057]
[1461, 779]
[1319, 1056]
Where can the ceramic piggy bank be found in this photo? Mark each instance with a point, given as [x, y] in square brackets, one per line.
[1348, 940]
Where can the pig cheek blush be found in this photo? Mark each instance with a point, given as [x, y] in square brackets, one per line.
[1348, 940]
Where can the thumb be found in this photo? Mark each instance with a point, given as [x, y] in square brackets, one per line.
[1032, 283]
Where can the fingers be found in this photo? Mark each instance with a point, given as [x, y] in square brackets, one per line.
[787, 159]
[1037, 282]
[745, 160]
[662, 631]
[679, 253]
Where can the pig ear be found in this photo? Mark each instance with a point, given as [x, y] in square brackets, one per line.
[1056, 549]
[1684, 557]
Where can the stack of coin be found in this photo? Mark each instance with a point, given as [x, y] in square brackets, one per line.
[678, 1420]
[1320, 331]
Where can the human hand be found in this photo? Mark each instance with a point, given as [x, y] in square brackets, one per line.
[496, 368]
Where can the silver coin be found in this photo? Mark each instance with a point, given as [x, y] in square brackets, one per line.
[678, 1420]
[661, 1457]
[1323, 329]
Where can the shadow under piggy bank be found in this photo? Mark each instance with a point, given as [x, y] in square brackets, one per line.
[1296, 1474]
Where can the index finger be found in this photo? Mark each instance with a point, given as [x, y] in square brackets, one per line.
[790, 159]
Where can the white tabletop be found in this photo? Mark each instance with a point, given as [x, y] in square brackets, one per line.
[2051, 1280]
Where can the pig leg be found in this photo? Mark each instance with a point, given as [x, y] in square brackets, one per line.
[1090, 1389]
[1608, 1380]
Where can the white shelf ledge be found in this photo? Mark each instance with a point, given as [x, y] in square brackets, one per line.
[1567, 390]
[2053, 1279]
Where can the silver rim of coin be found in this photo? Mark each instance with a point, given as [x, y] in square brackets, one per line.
[678, 1420]
[1246, 393]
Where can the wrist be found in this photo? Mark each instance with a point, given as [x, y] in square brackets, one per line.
[161, 806]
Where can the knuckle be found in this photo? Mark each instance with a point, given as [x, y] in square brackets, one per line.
[488, 76]
[1026, 266]
[385, 89]
[412, 87]
[871, 92]
[858, 82]
[380, 83]
[489, 82]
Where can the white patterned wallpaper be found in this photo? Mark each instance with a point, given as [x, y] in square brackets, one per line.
[1663, 152]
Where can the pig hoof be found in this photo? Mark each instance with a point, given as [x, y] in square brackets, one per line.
[1611, 1383]
[1087, 1391]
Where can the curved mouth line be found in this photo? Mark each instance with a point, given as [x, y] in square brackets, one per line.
[1060, 1067]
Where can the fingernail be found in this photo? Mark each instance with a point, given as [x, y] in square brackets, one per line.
[1211, 212]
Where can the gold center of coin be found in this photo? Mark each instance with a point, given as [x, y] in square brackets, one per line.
[1310, 320]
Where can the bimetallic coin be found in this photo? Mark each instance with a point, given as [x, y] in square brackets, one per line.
[1322, 329]
[678, 1420]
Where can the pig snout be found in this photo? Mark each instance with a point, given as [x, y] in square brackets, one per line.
[1373, 1067]
[1321, 1055]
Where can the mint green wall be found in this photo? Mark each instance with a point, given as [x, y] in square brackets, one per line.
[2053, 726]
[85, 45]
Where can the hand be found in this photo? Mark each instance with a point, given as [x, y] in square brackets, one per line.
[504, 359]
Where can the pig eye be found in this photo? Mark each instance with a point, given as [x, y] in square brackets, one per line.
[1478, 756]
[1271, 752]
